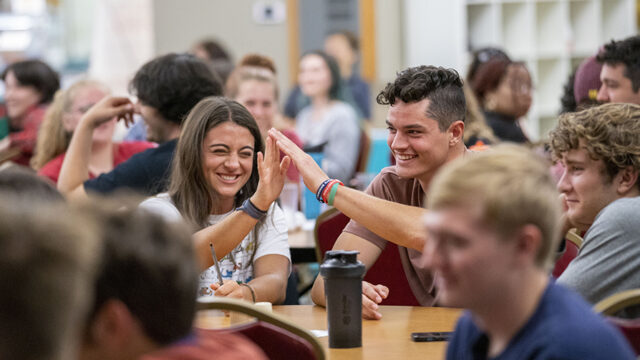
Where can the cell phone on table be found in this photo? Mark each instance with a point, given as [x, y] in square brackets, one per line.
[431, 336]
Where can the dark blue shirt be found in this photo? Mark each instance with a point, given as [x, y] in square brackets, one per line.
[563, 327]
[146, 173]
[506, 128]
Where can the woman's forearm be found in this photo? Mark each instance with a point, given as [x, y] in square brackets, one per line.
[224, 236]
[270, 282]
[75, 167]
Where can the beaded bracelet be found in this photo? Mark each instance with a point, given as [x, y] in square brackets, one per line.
[253, 294]
[252, 210]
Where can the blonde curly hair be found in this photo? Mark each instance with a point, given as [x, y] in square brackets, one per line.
[610, 132]
[53, 139]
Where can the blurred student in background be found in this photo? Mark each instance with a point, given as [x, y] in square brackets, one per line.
[342, 46]
[503, 89]
[61, 119]
[145, 288]
[327, 125]
[620, 73]
[29, 87]
[47, 265]
[167, 88]
[253, 84]
[215, 55]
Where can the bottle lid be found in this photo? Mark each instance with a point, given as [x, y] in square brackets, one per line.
[342, 263]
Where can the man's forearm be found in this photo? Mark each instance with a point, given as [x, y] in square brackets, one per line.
[398, 223]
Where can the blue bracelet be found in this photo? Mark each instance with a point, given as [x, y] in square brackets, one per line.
[252, 210]
[321, 189]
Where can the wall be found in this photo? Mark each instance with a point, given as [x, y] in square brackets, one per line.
[179, 24]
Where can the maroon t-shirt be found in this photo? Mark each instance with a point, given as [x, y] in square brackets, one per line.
[206, 344]
[389, 186]
[121, 152]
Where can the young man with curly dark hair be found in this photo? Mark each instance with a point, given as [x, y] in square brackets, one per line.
[167, 88]
[600, 150]
[426, 125]
[620, 73]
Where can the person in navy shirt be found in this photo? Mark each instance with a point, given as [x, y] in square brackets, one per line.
[492, 224]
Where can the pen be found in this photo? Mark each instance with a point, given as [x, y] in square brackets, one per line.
[216, 264]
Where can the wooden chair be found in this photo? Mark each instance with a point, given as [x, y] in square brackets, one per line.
[573, 243]
[621, 310]
[387, 270]
[276, 336]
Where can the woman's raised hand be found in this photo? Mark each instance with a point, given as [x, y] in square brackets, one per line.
[312, 174]
[272, 173]
[108, 108]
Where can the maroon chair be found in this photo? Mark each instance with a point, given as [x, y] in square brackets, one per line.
[622, 310]
[573, 242]
[363, 152]
[387, 270]
[278, 338]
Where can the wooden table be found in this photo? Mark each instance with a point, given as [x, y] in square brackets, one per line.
[388, 338]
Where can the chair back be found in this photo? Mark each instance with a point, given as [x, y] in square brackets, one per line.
[621, 310]
[573, 243]
[387, 270]
[276, 336]
[363, 152]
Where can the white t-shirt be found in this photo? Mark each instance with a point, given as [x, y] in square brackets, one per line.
[272, 236]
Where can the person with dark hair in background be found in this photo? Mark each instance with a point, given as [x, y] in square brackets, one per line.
[47, 265]
[568, 100]
[482, 56]
[145, 289]
[167, 88]
[29, 87]
[216, 56]
[503, 89]
[426, 126]
[328, 125]
[620, 73]
[343, 46]
[224, 184]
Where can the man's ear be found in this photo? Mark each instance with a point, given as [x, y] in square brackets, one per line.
[456, 131]
[528, 243]
[628, 180]
[112, 325]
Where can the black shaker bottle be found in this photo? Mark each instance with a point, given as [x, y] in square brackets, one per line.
[342, 273]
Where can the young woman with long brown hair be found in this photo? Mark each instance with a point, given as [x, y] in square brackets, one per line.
[224, 183]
